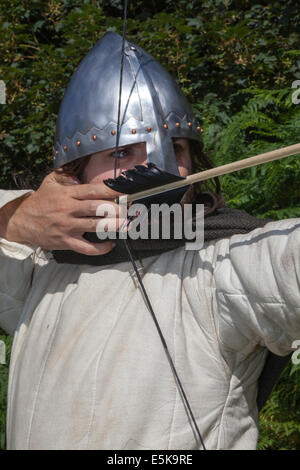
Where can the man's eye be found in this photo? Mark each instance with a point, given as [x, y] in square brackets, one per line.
[120, 154]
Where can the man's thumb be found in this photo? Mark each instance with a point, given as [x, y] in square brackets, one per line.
[66, 180]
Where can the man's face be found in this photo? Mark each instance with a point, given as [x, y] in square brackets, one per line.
[101, 164]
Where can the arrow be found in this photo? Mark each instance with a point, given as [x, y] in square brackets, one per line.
[217, 171]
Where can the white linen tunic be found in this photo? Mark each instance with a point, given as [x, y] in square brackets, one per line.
[88, 370]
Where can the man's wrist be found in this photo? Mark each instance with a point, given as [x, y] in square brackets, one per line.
[9, 221]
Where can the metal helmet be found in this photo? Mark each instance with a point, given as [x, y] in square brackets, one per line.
[152, 109]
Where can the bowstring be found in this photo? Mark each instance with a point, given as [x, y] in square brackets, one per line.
[120, 87]
[130, 251]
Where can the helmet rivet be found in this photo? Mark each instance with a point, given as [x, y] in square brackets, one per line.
[113, 132]
[189, 124]
[78, 143]
[133, 131]
[94, 137]
[177, 124]
[149, 129]
[65, 147]
[201, 130]
[166, 126]
[56, 152]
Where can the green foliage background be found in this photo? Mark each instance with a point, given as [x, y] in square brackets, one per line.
[236, 62]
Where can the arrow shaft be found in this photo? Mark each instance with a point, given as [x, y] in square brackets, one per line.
[218, 171]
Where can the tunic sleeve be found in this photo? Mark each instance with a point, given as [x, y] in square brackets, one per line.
[257, 288]
[16, 270]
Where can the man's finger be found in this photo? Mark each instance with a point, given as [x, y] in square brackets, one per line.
[93, 191]
[91, 224]
[82, 191]
[93, 208]
[80, 245]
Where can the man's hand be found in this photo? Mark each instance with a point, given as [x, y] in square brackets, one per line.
[57, 215]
